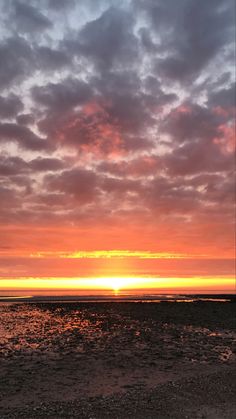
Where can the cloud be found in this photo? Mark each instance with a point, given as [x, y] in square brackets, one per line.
[44, 164]
[61, 97]
[107, 115]
[23, 136]
[190, 122]
[29, 19]
[223, 98]
[140, 167]
[109, 40]
[10, 106]
[79, 183]
[51, 59]
[116, 117]
[25, 119]
[16, 60]
[10, 166]
[60, 4]
[197, 157]
[194, 31]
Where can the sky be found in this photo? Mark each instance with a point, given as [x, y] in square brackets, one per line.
[117, 141]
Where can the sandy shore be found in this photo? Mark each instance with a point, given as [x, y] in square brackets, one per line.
[118, 360]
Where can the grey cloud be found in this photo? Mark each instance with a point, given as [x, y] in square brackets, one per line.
[222, 191]
[164, 196]
[197, 157]
[25, 119]
[115, 106]
[22, 135]
[60, 4]
[15, 166]
[140, 167]
[62, 96]
[119, 186]
[51, 59]
[29, 18]
[193, 32]
[8, 199]
[80, 183]
[147, 42]
[224, 97]
[10, 106]
[16, 60]
[10, 166]
[130, 101]
[43, 164]
[19, 59]
[109, 40]
[192, 121]
[52, 199]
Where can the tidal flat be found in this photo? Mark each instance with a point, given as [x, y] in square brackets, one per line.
[118, 360]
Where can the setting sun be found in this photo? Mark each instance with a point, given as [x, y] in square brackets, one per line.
[118, 283]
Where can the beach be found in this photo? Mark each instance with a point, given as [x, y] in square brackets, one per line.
[118, 359]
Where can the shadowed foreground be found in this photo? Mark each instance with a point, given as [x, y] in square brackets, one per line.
[118, 360]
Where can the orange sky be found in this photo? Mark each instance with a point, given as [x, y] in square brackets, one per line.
[52, 264]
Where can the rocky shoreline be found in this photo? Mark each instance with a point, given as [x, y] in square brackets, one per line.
[117, 360]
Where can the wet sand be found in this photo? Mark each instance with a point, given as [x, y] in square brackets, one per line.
[118, 360]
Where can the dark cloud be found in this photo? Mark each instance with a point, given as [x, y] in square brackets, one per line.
[8, 198]
[79, 183]
[16, 60]
[23, 136]
[120, 186]
[194, 33]
[61, 97]
[60, 4]
[147, 42]
[25, 119]
[19, 59]
[52, 59]
[222, 190]
[198, 157]
[140, 167]
[115, 115]
[46, 164]
[109, 40]
[190, 122]
[10, 106]
[10, 166]
[29, 18]
[225, 98]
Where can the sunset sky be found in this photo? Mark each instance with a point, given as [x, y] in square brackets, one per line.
[117, 144]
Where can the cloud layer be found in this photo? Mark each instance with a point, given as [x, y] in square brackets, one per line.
[118, 115]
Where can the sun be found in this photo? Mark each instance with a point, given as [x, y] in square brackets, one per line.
[115, 283]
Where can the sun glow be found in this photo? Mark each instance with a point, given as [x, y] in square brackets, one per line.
[117, 283]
